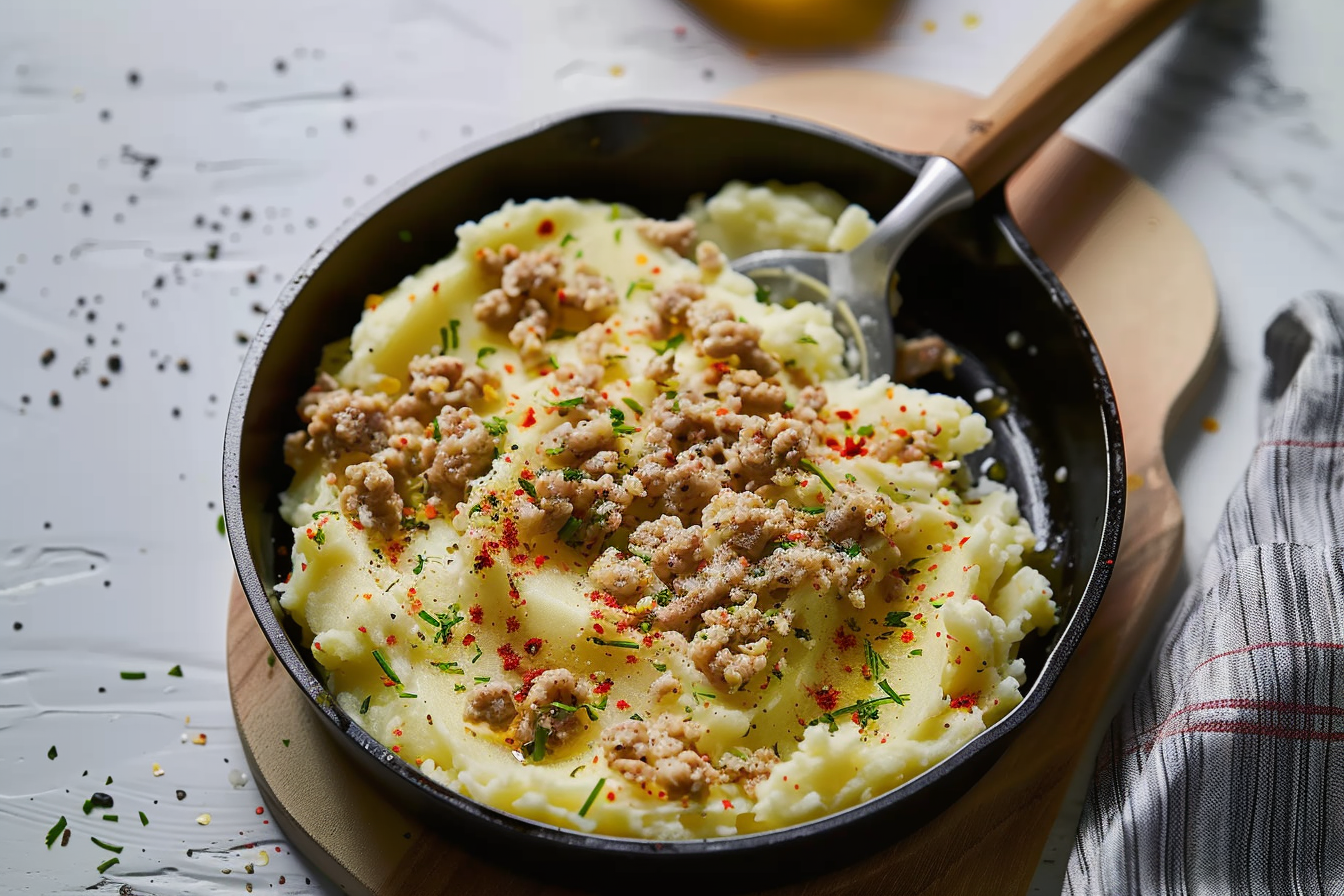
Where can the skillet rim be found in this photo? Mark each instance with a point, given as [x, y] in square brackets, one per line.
[963, 759]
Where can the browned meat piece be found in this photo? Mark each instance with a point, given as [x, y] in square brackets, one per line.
[719, 334]
[576, 440]
[710, 258]
[734, 643]
[600, 503]
[679, 235]
[672, 302]
[340, 422]
[751, 524]
[624, 576]
[917, 357]
[492, 262]
[531, 276]
[747, 392]
[852, 511]
[590, 292]
[687, 482]
[660, 756]
[553, 686]
[370, 496]
[491, 703]
[916, 447]
[749, 771]
[533, 328]
[715, 583]
[766, 446]
[441, 380]
[463, 451]
[674, 548]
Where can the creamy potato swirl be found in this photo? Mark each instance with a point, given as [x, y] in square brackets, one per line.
[593, 535]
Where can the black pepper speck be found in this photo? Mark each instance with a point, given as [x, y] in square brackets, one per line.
[55, 398]
[133, 78]
[183, 365]
[114, 363]
[177, 412]
[18, 626]
[182, 794]
[48, 356]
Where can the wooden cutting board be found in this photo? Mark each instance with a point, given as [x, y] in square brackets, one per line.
[1142, 281]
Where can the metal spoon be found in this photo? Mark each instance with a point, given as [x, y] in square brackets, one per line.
[1084, 50]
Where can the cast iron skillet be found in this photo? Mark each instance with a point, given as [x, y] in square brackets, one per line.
[971, 279]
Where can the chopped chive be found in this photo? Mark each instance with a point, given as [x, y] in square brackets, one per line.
[813, 468]
[866, 430]
[633, 405]
[485, 352]
[896, 618]
[479, 653]
[387, 670]
[55, 831]
[527, 486]
[107, 846]
[539, 743]
[443, 340]
[109, 818]
[482, 679]
[132, 676]
[811, 510]
[670, 345]
[615, 213]
[270, 659]
[705, 695]
[570, 529]
[496, 426]
[219, 524]
[568, 402]
[629, 645]
[364, 707]
[108, 864]
[450, 667]
[588, 803]
[452, 335]
[807, 340]
[763, 294]
[641, 283]
[661, 667]
[567, 239]
[403, 696]
[428, 618]
[88, 806]
[144, 819]
[617, 234]
[558, 449]
[176, 671]
[917, 652]
[51, 754]
[438, 433]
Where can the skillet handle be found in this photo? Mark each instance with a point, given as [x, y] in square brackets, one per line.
[1085, 49]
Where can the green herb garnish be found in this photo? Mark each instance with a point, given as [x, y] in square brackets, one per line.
[387, 669]
[452, 332]
[633, 405]
[629, 645]
[450, 667]
[802, 634]
[866, 430]
[51, 754]
[807, 340]
[573, 475]
[219, 524]
[527, 486]
[592, 797]
[811, 510]
[109, 818]
[558, 449]
[567, 239]
[364, 707]
[484, 352]
[320, 537]
[108, 864]
[107, 846]
[867, 710]
[144, 820]
[876, 664]
[574, 402]
[763, 294]
[132, 676]
[917, 652]
[570, 529]
[664, 597]
[55, 831]
[618, 424]
[496, 426]
[641, 283]
[443, 340]
[617, 234]
[670, 345]
[176, 671]
[539, 743]
[896, 618]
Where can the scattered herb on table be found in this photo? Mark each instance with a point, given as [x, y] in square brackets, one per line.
[55, 831]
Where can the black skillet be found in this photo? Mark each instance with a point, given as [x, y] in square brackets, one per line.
[971, 278]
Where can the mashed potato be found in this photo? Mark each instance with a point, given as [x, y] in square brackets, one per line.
[593, 536]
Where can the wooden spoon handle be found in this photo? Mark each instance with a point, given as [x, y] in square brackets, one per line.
[1088, 47]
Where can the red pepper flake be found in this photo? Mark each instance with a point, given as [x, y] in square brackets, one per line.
[512, 624]
[518, 559]
[854, 447]
[396, 748]
[727, 804]
[631, 659]
[317, 645]
[532, 646]
[357, 524]
[436, 287]
[546, 228]
[363, 629]
[431, 511]
[962, 543]
[410, 592]
[655, 270]
[391, 640]
[603, 687]
[833, 443]
[529, 676]
[947, 548]
[261, 811]
[396, 732]
[611, 796]
[509, 540]
[303, 567]
[827, 697]
[965, 701]
[935, 462]
[483, 561]
[845, 415]
[844, 639]
[476, 613]
[902, 432]
[541, 560]
[648, 640]
[597, 627]
[529, 418]
[907, 636]
[622, 705]
[721, 412]
[510, 659]
[468, 640]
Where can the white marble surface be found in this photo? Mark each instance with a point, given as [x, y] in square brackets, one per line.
[109, 555]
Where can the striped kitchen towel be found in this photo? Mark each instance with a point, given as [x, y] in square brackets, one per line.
[1225, 773]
